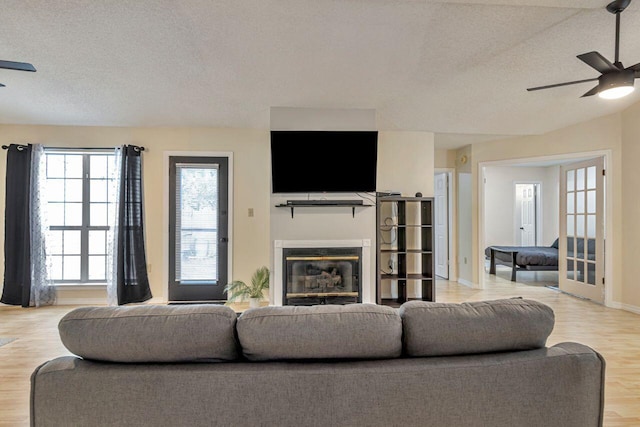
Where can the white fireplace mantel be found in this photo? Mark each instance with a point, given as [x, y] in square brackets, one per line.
[275, 290]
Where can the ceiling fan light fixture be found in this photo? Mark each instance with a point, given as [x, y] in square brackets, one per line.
[615, 81]
[616, 92]
[616, 85]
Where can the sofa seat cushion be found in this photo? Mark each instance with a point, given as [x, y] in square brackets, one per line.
[151, 333]
[443, 329]
[353, 331]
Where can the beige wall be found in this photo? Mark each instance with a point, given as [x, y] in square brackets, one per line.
[598, 135]
[500, 217]
[463, 215]
[630, 247]
[444, 158]
[250, 238]
[465, 229]
[551, 206]
[405, 162]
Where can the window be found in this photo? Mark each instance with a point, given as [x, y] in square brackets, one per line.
[80, 197]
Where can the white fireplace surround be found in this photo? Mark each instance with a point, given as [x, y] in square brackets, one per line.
[276, 291]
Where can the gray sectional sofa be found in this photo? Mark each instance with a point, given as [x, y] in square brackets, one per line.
[424, 364]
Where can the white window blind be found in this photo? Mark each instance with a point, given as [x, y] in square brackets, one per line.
[197, 196]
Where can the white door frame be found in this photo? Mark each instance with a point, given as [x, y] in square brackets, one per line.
[538, 208]
[608, 191]
[453, 249]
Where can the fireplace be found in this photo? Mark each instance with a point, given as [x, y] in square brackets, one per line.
[321, 276]
[310, 272]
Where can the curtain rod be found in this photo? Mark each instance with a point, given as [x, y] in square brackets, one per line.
[21, 147]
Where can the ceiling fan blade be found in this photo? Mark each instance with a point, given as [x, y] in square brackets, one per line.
[562, 84]
[20, 66]
[591, 92]
[618, 6]
[597, 61]
[1, 85]
[635, 68]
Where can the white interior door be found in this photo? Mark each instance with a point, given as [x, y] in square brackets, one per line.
[526, 203]
[442, 224]
[582, 239]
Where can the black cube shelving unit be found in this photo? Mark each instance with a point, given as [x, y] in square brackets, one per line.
[405, 245]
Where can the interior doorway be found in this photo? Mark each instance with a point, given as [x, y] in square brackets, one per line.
[443, 222]
[527, 216]
[558, 223]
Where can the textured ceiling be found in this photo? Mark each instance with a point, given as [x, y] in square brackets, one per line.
[458, 68]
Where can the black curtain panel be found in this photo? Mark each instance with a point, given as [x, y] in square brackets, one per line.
[17, 249]
[131, 275]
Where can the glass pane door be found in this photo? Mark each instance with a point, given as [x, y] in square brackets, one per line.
[198, 235]
[582, 248]
[196, 223]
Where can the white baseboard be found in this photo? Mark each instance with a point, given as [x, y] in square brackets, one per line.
[628, 307]
[466, 283]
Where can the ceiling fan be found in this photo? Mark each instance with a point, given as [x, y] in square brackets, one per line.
[20, 66]
[615, 81]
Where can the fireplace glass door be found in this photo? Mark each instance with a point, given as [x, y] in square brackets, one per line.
[322, 276]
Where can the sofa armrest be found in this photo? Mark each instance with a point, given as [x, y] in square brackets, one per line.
[575, 348]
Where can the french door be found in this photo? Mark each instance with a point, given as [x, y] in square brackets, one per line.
[582, 239]
[198, 228]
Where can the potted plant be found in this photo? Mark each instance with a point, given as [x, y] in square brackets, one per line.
[239, 290]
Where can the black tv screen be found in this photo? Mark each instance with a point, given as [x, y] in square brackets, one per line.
[323, 161]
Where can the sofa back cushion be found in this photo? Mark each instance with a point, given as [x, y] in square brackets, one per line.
[151, 333]
[442, 329]
[353, 331]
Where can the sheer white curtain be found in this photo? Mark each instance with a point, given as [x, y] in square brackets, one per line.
[114, 208]
[42, 291]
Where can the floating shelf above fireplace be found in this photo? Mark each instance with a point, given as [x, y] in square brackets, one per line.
[353, 204]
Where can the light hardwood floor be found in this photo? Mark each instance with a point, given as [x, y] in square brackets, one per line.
[613, 333]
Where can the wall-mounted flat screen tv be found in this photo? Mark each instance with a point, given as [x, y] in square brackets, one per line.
[323, 161]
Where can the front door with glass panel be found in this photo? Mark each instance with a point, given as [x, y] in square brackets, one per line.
[582, 240]
[198, 232]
